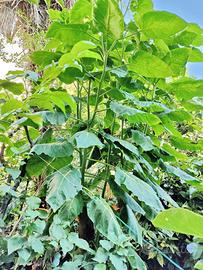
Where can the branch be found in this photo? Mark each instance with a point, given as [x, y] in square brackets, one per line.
[28, 136]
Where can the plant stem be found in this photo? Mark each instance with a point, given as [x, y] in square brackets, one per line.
[28, 136]
[83, 165]
[108, 161]
[100, 84]
[88, 103]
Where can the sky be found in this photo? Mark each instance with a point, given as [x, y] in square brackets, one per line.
[191, 11]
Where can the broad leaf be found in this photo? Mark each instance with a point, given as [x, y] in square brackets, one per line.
[195, 55]
[63, 186]
[15, 88]
[105, 220]
[127, 145]
[141, 7]
[148, 65]
[163, 194]
[139, 188]
[186, 144]
[44, 58]
[134, 227]
[71, 209]
[55, 149]
[11, 105]
[81, 11]
[79, 242]
[57, 232]
[33, 202]
[179, 173]
[36, 244]
[100, 266]
[68, 34]
[135, 261]
[54, 118]
[199, 265]
[134, 115]
[117, 262]
[86, 139]
[101, 255]
[180, 220]
[15, 243]
[108, 18]
[83, 45]
[66, 245]
[73, 265]
[172, 151]
[152, 105]
[177, 60]
[162, 24]
[186, 89]
[141, 139]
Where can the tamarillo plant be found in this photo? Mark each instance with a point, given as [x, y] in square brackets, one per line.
[96, 138]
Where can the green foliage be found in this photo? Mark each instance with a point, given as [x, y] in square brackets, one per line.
[149, 65]
[155, 21]
[103, 136]
[180, 220]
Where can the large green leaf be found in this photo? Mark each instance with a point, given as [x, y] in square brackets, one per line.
[68, 34]
[79, 242]
[152, 105]
[162, 24]
[195, 55]
[81, 11]
[179, 115]
[70, 74]
[180, 220]
[140, 7]
[177, 60]
[108, 18]
[83, 45]
[80, 49]
[15, 88]
[135, 261]
[36, 244]
[162, 194]
[179, 173]
[134, 227]
[134, 115]
[188, 38]
[186, 144]
[44, 58]
[187, 88]
[66, 98]
[85, 139]
[139, 188]
[141, 139]
[105, 220]
[173, 152]
[117, 262]
[169, 125]
[63, 185]
[148, 65]
[71, 209]
[127, 145]
[11, 105]
[55, 149]
[15, 243]
[54, 118]
[199, 265]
